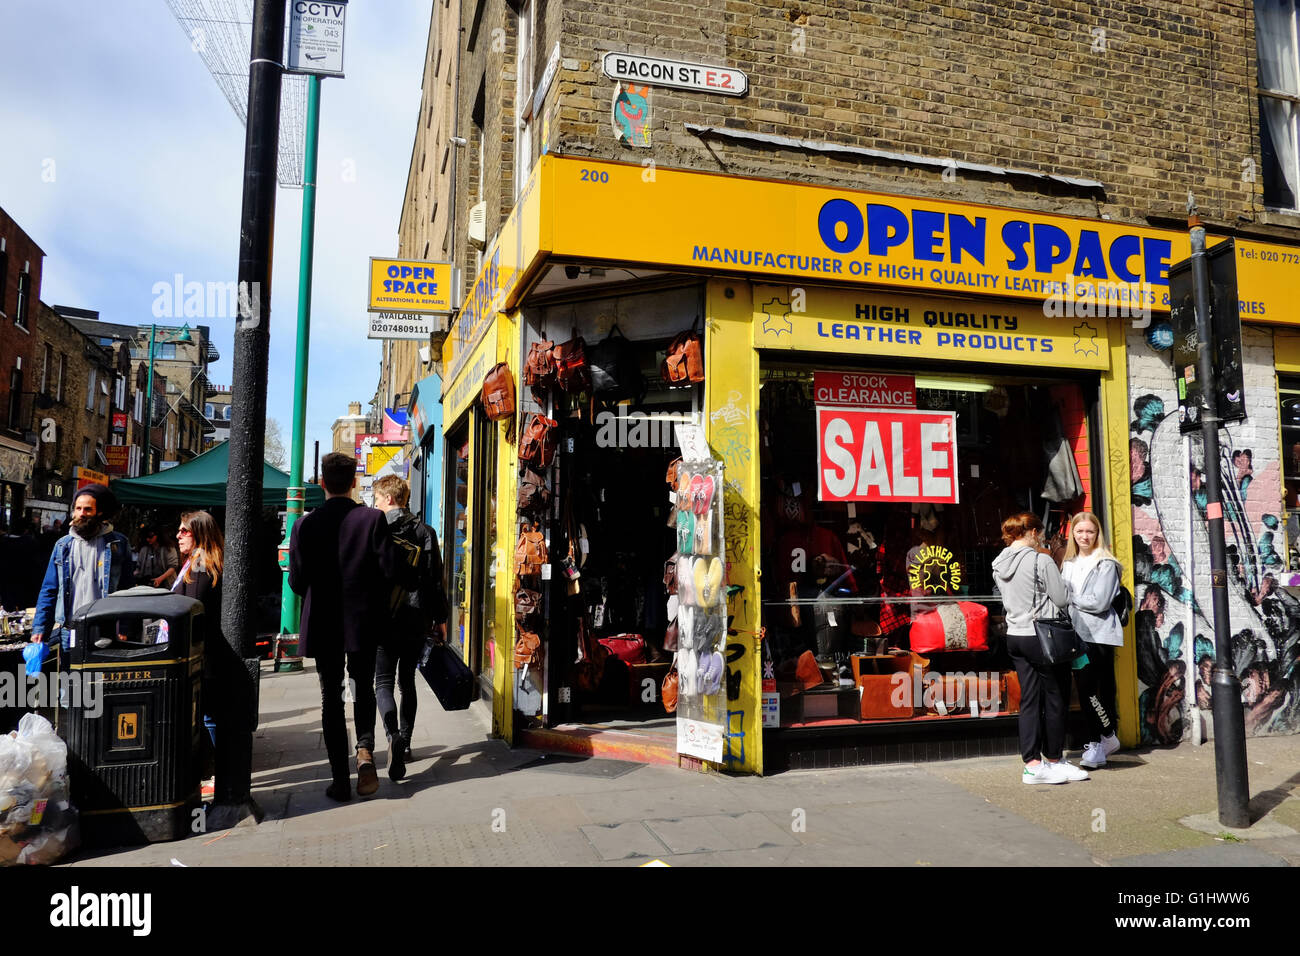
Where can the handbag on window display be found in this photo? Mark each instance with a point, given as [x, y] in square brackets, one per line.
[498, 396]
[952, 626]
[534, 496]
[571, 370]
[539, 368]
[537, 447]
[684, 361]
[530, 552]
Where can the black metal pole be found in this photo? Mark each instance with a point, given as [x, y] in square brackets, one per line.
[237, 674]
[315, 471]
[1229, 719]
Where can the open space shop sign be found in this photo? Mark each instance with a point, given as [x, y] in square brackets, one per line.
[886, 454]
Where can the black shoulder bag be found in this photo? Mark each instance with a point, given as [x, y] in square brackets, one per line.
[1057, 638]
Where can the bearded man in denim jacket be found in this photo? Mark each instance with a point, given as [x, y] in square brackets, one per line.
[87, 564]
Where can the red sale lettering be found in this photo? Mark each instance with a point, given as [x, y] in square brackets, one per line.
[888, 455]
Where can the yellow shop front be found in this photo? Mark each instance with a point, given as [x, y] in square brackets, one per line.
[883, 380]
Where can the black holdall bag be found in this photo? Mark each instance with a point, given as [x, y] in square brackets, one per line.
[615, 372]
[1057, 639]
[449, 677]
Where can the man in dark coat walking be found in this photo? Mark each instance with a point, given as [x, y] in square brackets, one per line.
[342, 560]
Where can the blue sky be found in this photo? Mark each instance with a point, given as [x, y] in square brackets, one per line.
[146, 161]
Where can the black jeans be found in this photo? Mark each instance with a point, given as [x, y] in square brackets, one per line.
[396, 658]
[361, 675]
[1044, 698]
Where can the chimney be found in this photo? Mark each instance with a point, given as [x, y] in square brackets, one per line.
[354, 408]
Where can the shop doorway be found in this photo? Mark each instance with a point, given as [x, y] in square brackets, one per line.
[482, 623]
[454, 538]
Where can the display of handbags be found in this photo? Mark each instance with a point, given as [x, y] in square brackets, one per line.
[537, 446]
[953, 626]
[571, 371]
[530, 552]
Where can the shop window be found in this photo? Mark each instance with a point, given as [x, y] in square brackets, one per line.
[1279, 100]
[868, 603]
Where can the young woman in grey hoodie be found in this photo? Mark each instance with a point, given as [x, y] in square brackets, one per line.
[1091, 573]
[1031, 588]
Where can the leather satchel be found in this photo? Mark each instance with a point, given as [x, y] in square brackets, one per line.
[499, 393]
[615, 372]
[528, 604]
[527, 646]
[537, 447]
[539, 368]
[571, 371]
[671, 476]
[530, 552]
[534, 496]
[685, 359]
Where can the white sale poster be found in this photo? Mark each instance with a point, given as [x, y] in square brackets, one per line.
[886, 454]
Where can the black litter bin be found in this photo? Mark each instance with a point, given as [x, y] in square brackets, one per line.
[133, 758]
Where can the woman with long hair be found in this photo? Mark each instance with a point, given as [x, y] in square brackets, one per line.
[1031, 588]
[1091, 574]
[202, 552]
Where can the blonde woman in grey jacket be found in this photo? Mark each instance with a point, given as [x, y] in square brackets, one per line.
[1091, 574]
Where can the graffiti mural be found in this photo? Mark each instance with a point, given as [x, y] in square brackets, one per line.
[1173, 618]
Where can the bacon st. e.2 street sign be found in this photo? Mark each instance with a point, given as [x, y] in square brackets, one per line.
[698, 77]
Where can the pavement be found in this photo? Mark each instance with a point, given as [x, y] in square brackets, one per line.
[469, 800]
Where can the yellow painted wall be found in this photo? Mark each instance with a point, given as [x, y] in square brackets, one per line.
[508, 350]
[1118, 483]
[731, 422]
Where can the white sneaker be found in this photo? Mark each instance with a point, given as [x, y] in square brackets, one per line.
[1094, 756]
[1044, 773]
[1109, 744]
[1069, 770]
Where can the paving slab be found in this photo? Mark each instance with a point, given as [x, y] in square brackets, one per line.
[624, 841]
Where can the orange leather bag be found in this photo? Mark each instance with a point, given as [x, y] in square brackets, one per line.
[685, 359]
[530, 552]
[539, 368]
[537, 447]
[499, 393]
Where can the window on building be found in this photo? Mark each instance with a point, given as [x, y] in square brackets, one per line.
[1279, 100]
[209, 411]
[48, 357]
[85, 452]
[63, 375]
[90, 391]
[24, 291]
[15, 397]
[167, 350]
[138, 411]
[119, 392]
[523, 95]
[4, 276]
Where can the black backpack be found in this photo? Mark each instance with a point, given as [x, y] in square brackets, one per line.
[1122, 605]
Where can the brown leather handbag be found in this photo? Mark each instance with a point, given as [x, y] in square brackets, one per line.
[670, 574]
[537, 447]
[530, 552]
[499, 393]
[534, 496]
[668, 690]
[571, 370]
[671, 476]
[539, 368]
[685, 359]
[528, 604]
[527, 648]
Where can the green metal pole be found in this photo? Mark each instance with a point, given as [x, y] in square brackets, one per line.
[291, 604]
[148, 404]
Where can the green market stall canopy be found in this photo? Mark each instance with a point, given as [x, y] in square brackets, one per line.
[201, 483]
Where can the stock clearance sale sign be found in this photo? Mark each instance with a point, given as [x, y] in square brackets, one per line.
[886, 454]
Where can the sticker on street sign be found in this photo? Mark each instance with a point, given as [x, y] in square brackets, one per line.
[412, 326]
[316, 37]
[673, 73]
[405, 285]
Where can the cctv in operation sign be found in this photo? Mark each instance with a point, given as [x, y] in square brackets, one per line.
[316, 36]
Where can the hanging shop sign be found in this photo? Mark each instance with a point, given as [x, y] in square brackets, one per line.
[316, 37]
[634, 68]
[887, 455]
[868, 389]
[903, 326]
[407, 326]
[405, 285]
[88, 476]
[118, 458]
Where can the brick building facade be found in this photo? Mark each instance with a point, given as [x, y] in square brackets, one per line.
[874, 148]
[20, 291]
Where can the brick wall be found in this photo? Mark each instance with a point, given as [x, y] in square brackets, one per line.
[1146, 102]
[18, 345]
[74, 422]
[1175, 633]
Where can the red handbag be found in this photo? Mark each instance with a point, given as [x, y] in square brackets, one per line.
[571, 370]
[959, 626]
[629, 648]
